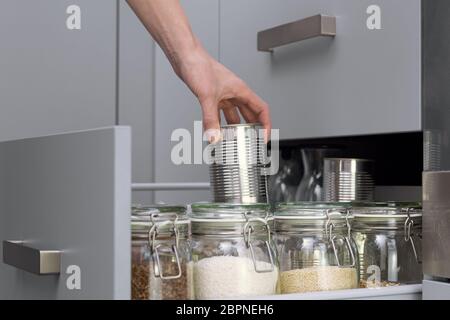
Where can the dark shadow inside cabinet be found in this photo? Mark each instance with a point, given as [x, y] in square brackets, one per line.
[397, 170]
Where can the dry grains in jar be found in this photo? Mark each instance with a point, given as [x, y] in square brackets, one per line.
[232, 251]
[315, 250]
[326, 278]
[161, 267]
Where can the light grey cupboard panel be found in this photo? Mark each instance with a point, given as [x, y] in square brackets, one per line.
[436, 290]
[360, 82]
[176, 107]
[55, 77]
[9, 228]
[69, 192]
[136, 58]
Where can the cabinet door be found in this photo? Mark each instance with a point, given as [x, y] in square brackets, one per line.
[9, 229]
[363, 81]
[69, 192]
[177, 108]
[58, 66]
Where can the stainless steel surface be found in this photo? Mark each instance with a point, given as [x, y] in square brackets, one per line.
[432, 149]
[237, 172]
[436, 84]
[40, 262]
[311, 27]
[348, 179]
[436, 224]
[170, 186]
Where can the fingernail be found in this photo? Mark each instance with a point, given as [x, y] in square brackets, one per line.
[213, 135]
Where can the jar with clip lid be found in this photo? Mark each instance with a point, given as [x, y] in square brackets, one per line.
[232, 251]
[316, 251]
[160, 262]
[388, 236]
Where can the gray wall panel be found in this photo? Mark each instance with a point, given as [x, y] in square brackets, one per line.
[53, 79]
[176, 107]
[136, 71]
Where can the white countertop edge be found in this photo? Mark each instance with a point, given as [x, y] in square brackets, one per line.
[414, 289]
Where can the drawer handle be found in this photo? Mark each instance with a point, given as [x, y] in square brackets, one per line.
[311, 27]
[40, 262]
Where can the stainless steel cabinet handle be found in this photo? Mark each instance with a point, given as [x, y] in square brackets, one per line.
[40, 262]
[311, 27]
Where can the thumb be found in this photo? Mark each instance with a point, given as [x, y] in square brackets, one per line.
[211, 121]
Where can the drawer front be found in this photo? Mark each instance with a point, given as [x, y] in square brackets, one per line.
[69, 193]
[364, 80]
[58, 66]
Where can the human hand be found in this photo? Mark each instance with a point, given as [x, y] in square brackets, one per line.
[217, 88]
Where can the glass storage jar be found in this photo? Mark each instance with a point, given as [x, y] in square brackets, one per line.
[388, 237]
[160, 257]
[316, 251]
[232, 251]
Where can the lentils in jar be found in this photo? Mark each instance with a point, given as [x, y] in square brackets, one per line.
[160, 263]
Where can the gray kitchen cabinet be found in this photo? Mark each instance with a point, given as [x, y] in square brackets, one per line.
[58, 66]
[177, 108]
[363, 81]
[9, 229]
[68, 192]
[135, 89]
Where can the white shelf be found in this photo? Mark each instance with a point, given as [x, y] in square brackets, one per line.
[404, 292]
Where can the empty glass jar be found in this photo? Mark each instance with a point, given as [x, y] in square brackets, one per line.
[388, 237]
[311, 187]
[232, 251]
[316, 251]
[160, 260]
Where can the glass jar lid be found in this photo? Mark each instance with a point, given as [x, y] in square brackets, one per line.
[313, 217]
[143, 218]
[312, 210]
[222, 212]
[387, 210]
[387, 216]
[229, 219]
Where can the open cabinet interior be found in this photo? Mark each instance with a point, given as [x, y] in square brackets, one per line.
[72, 193]
[397, 159]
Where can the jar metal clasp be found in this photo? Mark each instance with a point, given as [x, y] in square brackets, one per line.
[152, 237]
[329, 226]
[409, 224]
[248, 231]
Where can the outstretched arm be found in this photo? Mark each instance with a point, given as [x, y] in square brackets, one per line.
[216, 87]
